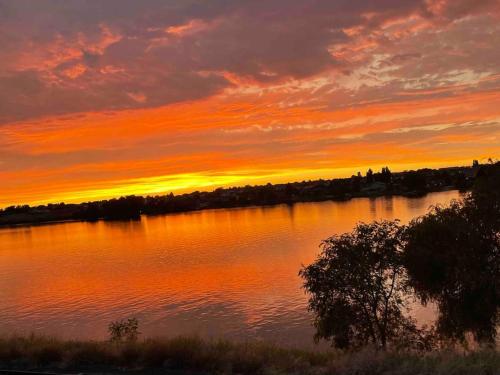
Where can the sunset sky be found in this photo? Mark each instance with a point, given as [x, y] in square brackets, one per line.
[113, 97]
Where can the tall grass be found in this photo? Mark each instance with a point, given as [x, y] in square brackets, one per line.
[223, 357]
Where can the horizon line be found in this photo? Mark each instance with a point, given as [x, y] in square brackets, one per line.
[214, 187]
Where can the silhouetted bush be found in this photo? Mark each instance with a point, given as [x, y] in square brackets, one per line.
[124, 330]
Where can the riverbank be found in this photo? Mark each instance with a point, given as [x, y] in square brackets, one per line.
[70, 213]
[192, 355]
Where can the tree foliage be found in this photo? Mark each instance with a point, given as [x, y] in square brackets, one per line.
[357, 287]
[453, 259]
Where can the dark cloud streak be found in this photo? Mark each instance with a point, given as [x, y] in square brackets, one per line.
[67, 56]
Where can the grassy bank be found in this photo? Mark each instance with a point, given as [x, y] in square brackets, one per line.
[196, 356]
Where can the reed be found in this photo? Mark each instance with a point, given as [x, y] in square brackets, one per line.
[193, 354]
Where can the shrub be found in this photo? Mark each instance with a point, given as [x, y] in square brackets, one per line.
[124, 330]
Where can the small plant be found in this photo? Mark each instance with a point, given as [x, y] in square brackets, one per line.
[124, 330]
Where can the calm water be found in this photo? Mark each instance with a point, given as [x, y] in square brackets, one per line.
[230, 273]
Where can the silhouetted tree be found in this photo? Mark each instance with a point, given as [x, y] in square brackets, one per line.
[91, 211]
[461, 182]
[356, 182]
[453, 259]
[290, 193]
[386, 175]
[123, 208]
[415, 181]
[486, 190]
[445, 178]
[17, 209]
[357, 287]
[369, 176]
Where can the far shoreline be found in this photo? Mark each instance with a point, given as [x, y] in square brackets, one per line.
[6, 225]
[410, 184]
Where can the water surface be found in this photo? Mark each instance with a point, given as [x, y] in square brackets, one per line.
[216, 273]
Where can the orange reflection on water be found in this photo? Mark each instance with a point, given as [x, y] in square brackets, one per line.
[229, 273]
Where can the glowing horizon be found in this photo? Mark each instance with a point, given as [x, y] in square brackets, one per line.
[187, 183]
[104, 99]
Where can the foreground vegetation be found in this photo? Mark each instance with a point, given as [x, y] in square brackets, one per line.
[189, 355]
[363, 282]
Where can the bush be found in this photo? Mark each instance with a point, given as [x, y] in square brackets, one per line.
[124, 330]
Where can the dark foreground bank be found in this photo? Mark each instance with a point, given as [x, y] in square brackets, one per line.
[196, 356]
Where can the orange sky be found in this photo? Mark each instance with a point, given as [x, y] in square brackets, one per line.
[98, 100]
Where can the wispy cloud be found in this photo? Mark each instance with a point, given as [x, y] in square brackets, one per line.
[108, 93]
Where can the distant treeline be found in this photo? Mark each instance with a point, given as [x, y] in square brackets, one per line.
[409, 183]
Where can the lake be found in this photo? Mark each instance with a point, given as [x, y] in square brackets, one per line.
[218, 273]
